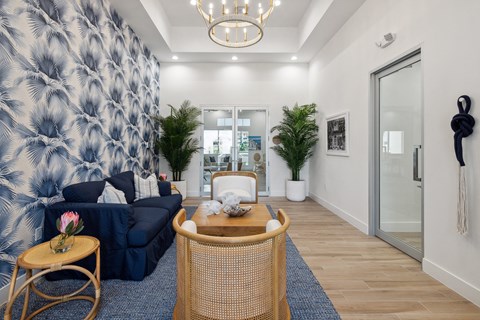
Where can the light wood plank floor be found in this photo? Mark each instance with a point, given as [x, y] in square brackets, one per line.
[365, 278]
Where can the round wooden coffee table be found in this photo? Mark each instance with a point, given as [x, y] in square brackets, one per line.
[40, 257]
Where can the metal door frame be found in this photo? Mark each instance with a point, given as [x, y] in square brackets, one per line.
[374, 225]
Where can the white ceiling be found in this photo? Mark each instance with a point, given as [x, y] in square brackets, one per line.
[296, 27]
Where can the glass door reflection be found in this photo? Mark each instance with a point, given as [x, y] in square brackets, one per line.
[399, 215]
[234, 139]
[217, 143]
[252, 144]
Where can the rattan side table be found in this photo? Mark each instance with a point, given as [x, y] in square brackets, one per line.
[40, 257]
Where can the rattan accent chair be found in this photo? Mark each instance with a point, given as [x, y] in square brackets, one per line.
[231, 278]
[242, 183]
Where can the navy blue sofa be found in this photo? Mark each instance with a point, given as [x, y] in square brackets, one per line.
[133, 236]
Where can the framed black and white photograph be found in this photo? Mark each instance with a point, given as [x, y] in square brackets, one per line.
[337, 135]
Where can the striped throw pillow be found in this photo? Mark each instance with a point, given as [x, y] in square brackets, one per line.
[146, 188]
[111, 195]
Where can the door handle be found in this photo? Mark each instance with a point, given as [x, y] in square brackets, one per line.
[415, 162]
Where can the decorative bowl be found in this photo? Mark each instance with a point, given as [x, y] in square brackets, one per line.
[236, 211]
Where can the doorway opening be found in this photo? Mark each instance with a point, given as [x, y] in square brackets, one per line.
[398, 155]
[235, 139]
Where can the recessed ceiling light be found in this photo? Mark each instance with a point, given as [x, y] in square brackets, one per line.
[234, 58]
[278, 2]
[175, 57]
[294, 58]
[193, 2]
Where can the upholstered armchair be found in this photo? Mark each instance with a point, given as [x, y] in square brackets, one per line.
[231, 278]
[242, 183]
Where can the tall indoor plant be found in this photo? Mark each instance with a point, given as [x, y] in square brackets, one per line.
[298, 133]
[176, 143]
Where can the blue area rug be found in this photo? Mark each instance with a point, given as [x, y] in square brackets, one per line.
[154, 297]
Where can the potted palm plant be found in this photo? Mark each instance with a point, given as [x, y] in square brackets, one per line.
[298, 133]
[176, 143]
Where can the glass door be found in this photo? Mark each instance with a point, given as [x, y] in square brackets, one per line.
[399, 212]
[252, 144]
[218, 143]
[234, 139]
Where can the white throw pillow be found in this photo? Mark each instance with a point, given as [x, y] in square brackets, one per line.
[242, 194]
[146, 188]
[244, 187]
[111, 195]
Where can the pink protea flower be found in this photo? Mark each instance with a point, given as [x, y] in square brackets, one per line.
[69, 223]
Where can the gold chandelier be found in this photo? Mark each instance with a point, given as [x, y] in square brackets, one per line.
[233, 24]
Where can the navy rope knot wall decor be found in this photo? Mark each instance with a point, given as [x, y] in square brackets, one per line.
[462, 124]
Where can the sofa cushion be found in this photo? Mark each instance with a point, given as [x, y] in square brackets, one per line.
[87, 192]
[146, 188]
[112, 195]
[172, 203]
[148, 223]
[124, 181]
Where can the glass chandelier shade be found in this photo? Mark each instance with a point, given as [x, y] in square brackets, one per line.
[235, 24]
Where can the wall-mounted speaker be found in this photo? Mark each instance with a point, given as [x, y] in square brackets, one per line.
[387, 40]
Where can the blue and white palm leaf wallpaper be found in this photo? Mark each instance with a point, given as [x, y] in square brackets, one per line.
[10, 36]
[88, 68]
[48, 18]
[88, 114]
[48, 135]
[10, 179]
[89, 16]
[89, 166]
[45, 73]
[77, 86]
[9, 107]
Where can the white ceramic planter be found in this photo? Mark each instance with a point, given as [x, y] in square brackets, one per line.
[295, 190]
[182, 187]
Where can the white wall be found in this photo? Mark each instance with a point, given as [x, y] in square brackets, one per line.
[447, 32]
[236, 84]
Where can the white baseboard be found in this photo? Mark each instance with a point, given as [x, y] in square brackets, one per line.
[360, 225]
[4, 290]
[401, 226]
[460, 286]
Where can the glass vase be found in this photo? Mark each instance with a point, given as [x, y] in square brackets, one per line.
[61, 243]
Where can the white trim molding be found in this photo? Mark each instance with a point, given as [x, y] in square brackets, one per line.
[360, 225]
[460, 286]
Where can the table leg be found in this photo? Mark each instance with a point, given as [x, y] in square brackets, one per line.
[8, 309]
[28, 273]
[26, 285]
[11, 298]
[97, 271]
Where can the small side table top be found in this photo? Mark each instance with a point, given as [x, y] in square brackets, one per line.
[251, 223]
[41, 257]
